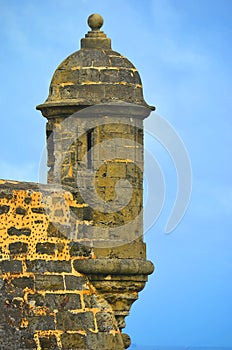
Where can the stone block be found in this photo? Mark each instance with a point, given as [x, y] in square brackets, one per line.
[36, 299]
[48, 343]
[4, 209]
[27, 200]
[80, 321]
[39, 210]
[87, 213]
[49, 282]
[104, 341]
[41, 323]
[109, 74]
[21, 211]
[41, 266]
[18, 248]
[134, 249]
[45, 248]
[59, 266]
[13, 231]
[91, 301]
[78, 249]
[73, 341]
[37, 266]
[75, 282]
[23, 282]
[27, 341]
[12, 266]
[89, 232]
[70, 301]
[105, 322]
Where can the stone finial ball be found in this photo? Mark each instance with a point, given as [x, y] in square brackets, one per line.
[95, 21]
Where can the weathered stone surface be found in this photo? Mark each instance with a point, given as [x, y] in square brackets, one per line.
[21, 211]
[115, 266]
[40, 266]
[126, 340]
[105, 322]
[131, 250]
[4, 209]
[59, 266]
[84, 213]
[67, 301]
[59, 231]
[46, 248]
[6, 193]
[104, 341]
[18, 248]
[27, 341]
[11, 339]
[73, 341]
[48, 343]
[78, 249]
[1, 283]
[23, 282]
[12, 266]
[49, 282]
[75, 282]
[41, 323]
[27, 200]
[118, 284]
[95, 74]
[36, 299]
[39, 210]
[80, 321]
[18, 232]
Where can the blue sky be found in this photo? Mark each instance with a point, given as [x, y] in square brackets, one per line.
[182, 50]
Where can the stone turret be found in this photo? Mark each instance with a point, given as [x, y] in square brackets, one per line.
[72, 253]
[95, 74]
[92, 76]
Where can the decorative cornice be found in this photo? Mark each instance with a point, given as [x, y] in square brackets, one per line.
[114, 266]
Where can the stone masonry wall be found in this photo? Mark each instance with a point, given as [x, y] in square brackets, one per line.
[115, 157]
[44, 302]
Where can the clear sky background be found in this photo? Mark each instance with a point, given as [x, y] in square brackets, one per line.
[182, 50]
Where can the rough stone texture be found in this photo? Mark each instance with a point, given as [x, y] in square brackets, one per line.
[13, 231]
[80, 321]
[73, 340]
[48, 343]
[70, 270]
[41, 294]
[75, 282]
[45, 248]
[4, 209]
[77, 79]
[18, 248]
[95, 74]
[7, 266]
[68, 301]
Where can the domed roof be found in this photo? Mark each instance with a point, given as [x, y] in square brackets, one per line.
[95, 74]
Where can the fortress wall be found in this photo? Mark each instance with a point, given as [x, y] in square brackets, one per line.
[44, 302]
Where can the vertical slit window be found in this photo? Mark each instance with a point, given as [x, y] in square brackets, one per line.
[89, 148]
[50, 148]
